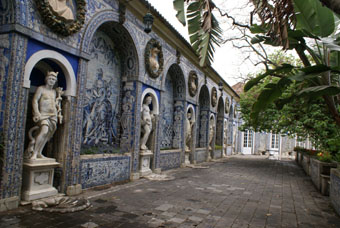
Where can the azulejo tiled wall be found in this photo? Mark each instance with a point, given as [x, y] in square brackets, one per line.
[170, 160]
[105, 170]
[107, 59]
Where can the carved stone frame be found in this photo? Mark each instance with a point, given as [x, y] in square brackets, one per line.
[151, 44]
[192, 74]
[57, 23]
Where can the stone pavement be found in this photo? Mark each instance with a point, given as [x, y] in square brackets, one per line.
[241, 191]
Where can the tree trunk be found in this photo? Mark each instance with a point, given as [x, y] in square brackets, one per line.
[334, 5]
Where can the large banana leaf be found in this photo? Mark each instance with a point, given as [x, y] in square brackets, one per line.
[317, 91]
[284, 69]
[270, 93]
[179, 7]
[203, 27]
[314, 18]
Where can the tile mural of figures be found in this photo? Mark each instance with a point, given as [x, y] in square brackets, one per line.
[102, 103]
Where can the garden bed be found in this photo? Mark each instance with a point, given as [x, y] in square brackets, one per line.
[318, 168]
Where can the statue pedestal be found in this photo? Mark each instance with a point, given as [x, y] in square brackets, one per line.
[145, 161]
[187, 157]
[38, 179]
[209, 154]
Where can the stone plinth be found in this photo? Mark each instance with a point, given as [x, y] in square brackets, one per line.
[145, 162]
[38, 179]
[187, 157]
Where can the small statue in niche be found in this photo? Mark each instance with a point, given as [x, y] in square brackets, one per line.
[127, 108]
[61, 8]
[211, 132]
[154, 59]
[188, 133]
[146, 122]
[46, 105]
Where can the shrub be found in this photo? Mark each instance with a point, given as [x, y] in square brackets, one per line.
[324, 156]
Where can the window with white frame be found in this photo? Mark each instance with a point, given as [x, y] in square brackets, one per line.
[299, 142]
[247, 138]
[275, 141]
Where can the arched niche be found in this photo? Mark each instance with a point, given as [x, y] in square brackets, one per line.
[36, 69]
[230, 125]
[172, 108]
[121, 35]
[154, 108]
[219, 122]
[113, 60]
[203, 117]
[191, 109]
[64, 65]
[149, 141]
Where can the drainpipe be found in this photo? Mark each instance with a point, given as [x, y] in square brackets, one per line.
[280, 152]
[253, 141]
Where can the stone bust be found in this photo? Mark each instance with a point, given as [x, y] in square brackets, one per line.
[61, 8]
[193, 83]
[154, 59]
[213, 96]
[46, 106]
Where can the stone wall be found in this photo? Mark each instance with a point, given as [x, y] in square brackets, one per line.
[101, 170]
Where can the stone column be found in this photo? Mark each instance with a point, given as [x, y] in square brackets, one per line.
[136, 133]
[13, 104]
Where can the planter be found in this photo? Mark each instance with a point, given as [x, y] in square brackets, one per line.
[334, 189]
[319, 168]
[305, 163]
[325, 180]
[298, 157]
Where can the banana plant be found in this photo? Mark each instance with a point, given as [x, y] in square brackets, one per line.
[203, 27]
[319, 77]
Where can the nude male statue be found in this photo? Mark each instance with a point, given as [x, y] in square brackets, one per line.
[46, 112]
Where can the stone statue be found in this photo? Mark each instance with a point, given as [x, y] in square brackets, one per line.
[154, 59]
[127, 109]
[188, 133]
[146, 122]
[62, 9]
[46, 113]
[211, 132]
[225, 138]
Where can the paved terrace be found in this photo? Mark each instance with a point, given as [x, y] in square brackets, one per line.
[240, 191]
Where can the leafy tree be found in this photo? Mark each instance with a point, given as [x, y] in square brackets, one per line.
[289, 24]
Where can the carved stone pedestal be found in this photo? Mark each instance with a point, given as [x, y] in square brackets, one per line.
[38, 179]
[145, 161]
[187, 157]
[209, 155]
